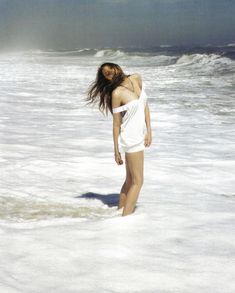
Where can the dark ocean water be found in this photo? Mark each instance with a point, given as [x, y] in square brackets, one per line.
[221, 50]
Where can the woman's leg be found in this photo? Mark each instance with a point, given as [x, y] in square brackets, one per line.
[135, 162]
[125, 187]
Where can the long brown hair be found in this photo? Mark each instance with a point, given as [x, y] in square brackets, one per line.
[101, 89]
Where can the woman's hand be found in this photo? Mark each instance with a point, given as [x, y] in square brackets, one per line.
[118, 158]
[148, 139]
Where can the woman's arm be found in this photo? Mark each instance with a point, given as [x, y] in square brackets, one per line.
[116, 130]
[147, 117]
[148, 137]
[117, 119]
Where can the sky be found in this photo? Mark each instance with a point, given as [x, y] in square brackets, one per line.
[70, 24]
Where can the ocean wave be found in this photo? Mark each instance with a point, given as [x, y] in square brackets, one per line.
[203, 59]
[162, 60]
[200, 60]
[207, 63]
[231, 45]
[77, 52]
[61, 52]
[110, 53]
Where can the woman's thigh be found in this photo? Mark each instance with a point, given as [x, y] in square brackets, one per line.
[135, 166]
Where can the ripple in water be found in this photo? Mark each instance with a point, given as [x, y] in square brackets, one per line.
[16, 209]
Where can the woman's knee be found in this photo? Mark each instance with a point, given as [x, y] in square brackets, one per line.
[128, 182]
[135, 168]
[138, 180]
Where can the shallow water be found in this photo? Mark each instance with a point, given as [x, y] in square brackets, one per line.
[59, 225]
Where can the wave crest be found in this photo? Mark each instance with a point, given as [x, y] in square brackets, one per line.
[110, 53]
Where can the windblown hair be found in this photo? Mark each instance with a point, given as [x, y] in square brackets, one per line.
[101, 89]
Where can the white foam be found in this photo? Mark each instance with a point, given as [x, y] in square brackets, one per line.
[60, 228]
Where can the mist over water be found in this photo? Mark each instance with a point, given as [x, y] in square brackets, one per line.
[60, 184]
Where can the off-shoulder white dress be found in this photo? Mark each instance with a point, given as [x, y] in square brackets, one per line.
[133, 126]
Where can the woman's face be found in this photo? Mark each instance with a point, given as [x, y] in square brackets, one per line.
[108, 72]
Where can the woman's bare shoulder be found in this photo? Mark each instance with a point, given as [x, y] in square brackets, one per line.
[138, 78]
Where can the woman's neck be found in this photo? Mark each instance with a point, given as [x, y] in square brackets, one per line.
[126, 79]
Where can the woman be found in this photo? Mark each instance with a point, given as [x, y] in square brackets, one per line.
[124, 96]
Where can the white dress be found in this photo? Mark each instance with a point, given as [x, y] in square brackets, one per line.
[133, 126]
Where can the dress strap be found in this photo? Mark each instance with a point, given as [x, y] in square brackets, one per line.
[124, 107]
[120, 109]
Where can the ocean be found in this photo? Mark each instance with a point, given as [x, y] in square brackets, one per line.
[60, 230]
